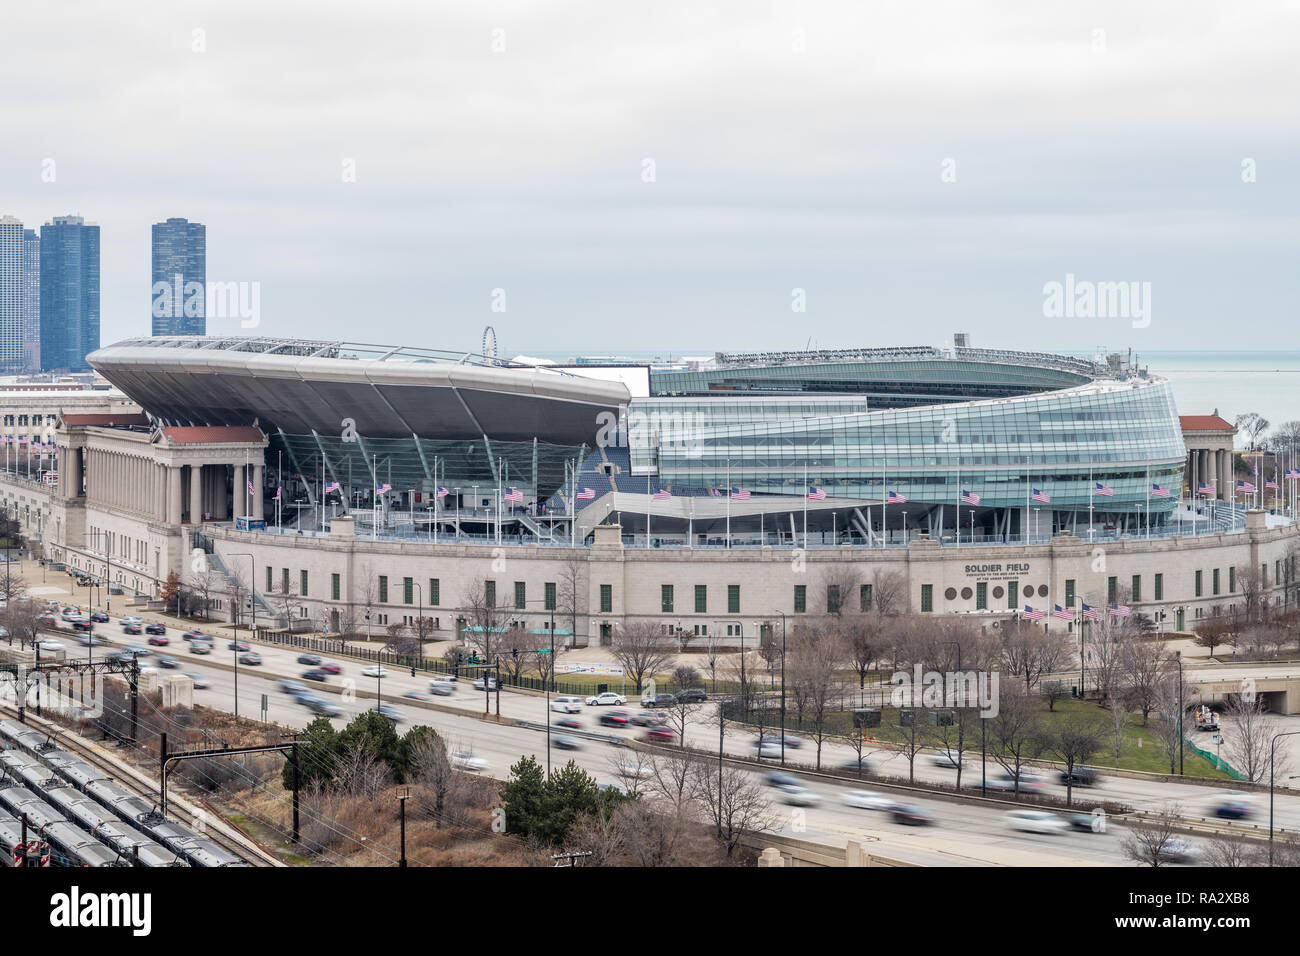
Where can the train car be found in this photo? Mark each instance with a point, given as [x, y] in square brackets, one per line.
[20, 767]
[104, 825]
[75, 771]
[71, 846]
[20, 800]
[11, 844]
[126, 805]
[21, 735]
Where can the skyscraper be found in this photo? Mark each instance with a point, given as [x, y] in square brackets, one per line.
[31, 300]
[179, 278]
[69, 293]
[11, 294]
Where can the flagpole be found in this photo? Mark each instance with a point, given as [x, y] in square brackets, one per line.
[805, 505]
[1092, 485]
[649, 497]
[884, 525]
[728, 503]
[958, 521]
[1148, 511]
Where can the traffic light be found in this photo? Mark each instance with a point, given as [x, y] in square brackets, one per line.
[514, 652]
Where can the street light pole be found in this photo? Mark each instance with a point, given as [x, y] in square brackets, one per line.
[782, 613]
[252, 572]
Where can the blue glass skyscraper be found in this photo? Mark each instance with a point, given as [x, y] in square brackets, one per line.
[177, 305]
[31, 300]
[69, 293]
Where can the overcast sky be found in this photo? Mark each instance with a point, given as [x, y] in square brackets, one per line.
[503, 145]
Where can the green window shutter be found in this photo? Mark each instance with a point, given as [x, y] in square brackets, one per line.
[927, 597]
[733, 598]
[1013, 595]
[1069, 592]
[864, 597]
[1137, 588]
[666, 598]
[1160, 587]
[408, 590]
[800, 598]
[334, 587]
[490, 593]
[981, 596]
[606, 599]
[1215, 580]
[521, 594]
[1199, 584]
[435, 595]
[701, 599]
[303, 582]
[383, 589]
[550, 595]
[1112, 584]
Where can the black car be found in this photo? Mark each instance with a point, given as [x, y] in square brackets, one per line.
[658, 700]
[310, 659]
[99, 617]
[911, 816]
[131, 628]
[691, 695]
[315, 674]
[155, 628]
[614, 718]
[1081, 777]
[82, 625]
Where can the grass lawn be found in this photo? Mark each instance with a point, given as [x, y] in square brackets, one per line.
[1140, 748]
[271, 838]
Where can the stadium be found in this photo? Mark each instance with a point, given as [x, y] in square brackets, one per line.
[861, 446]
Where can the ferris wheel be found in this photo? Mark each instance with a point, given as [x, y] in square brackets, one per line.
[489, 349]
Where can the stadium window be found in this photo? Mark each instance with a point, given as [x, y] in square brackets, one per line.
[1199, 582]
[1013, 595]
[927, 598]
[284, 580]
[666, 598]
[1069, 592]
[701, 599]
[1232, 579]
[864, 597]
[334, 587]
[549, 596]
[1160, 587]
[490, 593]
[1214, 580]
[981, 596]
[270, 582]
[408, 590]
[383, 589]
[435, 592]
[1112, 585]
[607, 599]
[733, 598]
[1137, 588]
[800, 598]
[832, 599]
[521, 595]
[302, 581]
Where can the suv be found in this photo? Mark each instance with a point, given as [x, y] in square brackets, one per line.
[567, 705]
[692, 695]
[657, 700]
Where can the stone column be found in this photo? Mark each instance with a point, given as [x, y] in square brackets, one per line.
[1196, 471]
[258, 505]
[196, 494]
[173, 495]
[238, 492]
[1225, 486]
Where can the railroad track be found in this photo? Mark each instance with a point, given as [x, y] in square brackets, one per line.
[247, 849]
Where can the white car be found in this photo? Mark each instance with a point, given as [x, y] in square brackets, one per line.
[49, 645]
[866, 800]
[1035, 821]
[567, 705]
[768, 748]
[948, 758]
[71, 613]
[125, 620]
[374, 671]
[798, 796]
[463, 760]
[608, 697]
[200, 682]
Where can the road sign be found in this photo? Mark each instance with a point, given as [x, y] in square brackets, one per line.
[544, 650]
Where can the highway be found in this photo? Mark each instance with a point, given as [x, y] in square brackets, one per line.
[967, 833]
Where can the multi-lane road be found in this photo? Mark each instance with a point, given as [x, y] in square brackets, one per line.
[966, 832]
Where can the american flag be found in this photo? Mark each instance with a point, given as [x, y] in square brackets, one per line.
[970, 498]
[441, 492]
[817, 494]
[1103, 491]
[1062, 613]
[332, 486]
[1245, 487]
[1031, 614]
[512, 494]
[1205, 489]
[739, 494]
[277, 493]
[1271, 484]
[661, 495]
[1120, 610]
[1292, 473]
[1159, 492]
[715, 492]
[384, 489]
[1040, 495]
[250, 488]
[1090, 612]
[896, 499]
[585, 494]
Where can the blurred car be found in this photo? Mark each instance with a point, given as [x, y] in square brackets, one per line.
[657, 700]
[195, 636]
[168, 663]
[442, 690]
[1035, 821]
[690, 695]
[634, 767]
[48, 620]
[949, 759]
[852, 766]
[392, 713]
[132, 629]
[200, 682]
[491, 683]
[89, 640]
[155, 628]
[779, 778]
[99, 617]
[251, 658]
[1087, 822]
[614, 718]
[566, 742]
[329, 667]
[135, 650]
[799, 796]
[1080, 777]
[130, 619]
[660, 734]
[911, 815]
[1178, 850]
[463, 760]
[49, 644]
[1232, 807]
[567, 705]
[312, 660]
[200, 647]
[443, 679]
[374, 670]
[573, 723]
[316, 673]
[324, 707]
[160, 640]
[866, 800]
[82, 624]
[768, 748]
[239, 646]
[607, 699]
[293, 688]
[1006, 781]
[648, 718]
[416, 695]
[69, 613]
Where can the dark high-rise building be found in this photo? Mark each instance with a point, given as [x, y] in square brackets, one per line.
[69, 293]
[179, 278]
[31, 300]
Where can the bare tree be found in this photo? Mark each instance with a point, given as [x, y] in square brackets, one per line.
[360, 771]
[1252, 424]
[1210, 633]
[571, 591]
[671, 777]
[1249, 739]
[486, 618]
[733, 801]
[1014, 733]
[681, 714]
[1029, 651]
[642, 649]
[1170, 697]
[840, 582]
[431, 768]
[812, 669]
[889, 593]
[1142, 668]
[1154, 843]
[1073, 741]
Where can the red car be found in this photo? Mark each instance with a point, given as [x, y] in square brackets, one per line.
[159, 640]
[130, 628]
[571, 722]
[329, 667]
[659, 733]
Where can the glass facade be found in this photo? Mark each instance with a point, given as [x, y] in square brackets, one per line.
[69, 293]
[179, 305]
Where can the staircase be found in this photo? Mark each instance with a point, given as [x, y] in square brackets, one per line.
[233, 584]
